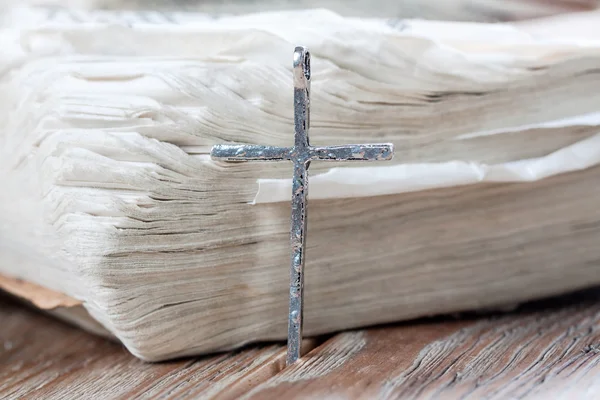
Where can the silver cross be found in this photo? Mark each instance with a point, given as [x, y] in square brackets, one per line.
[301, 154]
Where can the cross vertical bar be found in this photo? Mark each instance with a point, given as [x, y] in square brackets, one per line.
[301, 97]
[301, 160]
[298, 245]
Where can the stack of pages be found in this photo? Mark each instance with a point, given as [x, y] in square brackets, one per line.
[108, 194]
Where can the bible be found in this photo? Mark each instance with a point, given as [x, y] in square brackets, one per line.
[111, 202]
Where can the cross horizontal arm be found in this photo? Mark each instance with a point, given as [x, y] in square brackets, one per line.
[227, 152]
[353, 152]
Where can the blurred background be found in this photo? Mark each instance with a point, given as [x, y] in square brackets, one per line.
[459, 10]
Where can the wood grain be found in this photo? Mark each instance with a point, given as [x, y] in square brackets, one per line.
[545, 350]
[43, 358]
[536, 353]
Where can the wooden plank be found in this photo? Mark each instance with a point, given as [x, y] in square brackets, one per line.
[43, 358]
[538, 352]
[542, 351]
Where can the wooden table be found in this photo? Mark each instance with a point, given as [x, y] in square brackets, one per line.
[547, 349]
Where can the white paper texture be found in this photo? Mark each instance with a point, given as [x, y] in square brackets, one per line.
[403, 178]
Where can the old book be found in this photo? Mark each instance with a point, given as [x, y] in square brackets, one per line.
[110, 198]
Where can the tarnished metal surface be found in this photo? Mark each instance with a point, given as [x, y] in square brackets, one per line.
[357, 152]
[350, 152]
[301, 154]
[237, 153]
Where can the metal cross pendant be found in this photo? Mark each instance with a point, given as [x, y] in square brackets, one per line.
[301, 154]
